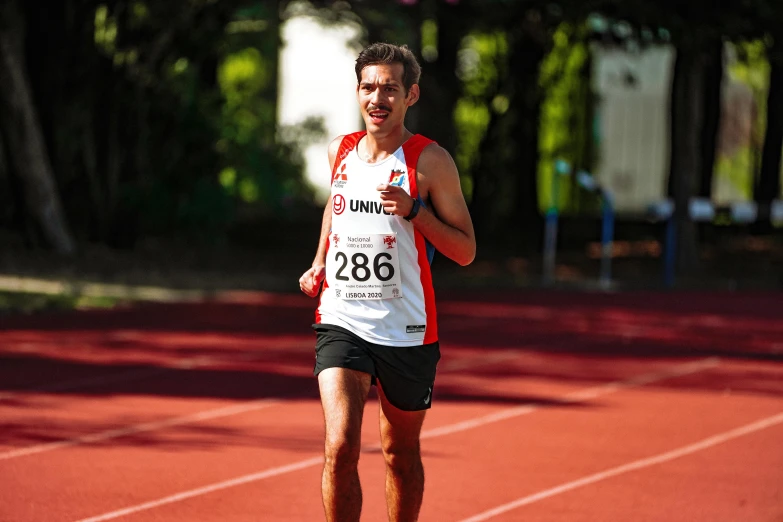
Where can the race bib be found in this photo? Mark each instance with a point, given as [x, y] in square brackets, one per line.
[364, 266]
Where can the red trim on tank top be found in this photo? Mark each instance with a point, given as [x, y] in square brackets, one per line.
[347, 144]
[412, 150]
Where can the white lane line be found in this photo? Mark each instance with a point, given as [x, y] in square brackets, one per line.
[195, 362]
[482, 360]
[302, 464]
[196, 417]
[678, 370]
[631, 466]
[140, 428]
[587, 393]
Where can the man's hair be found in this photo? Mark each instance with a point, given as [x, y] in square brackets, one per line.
[387, 54]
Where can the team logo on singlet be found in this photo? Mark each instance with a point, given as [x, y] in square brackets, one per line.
[340, 178]
[338, 204]
[397, 178]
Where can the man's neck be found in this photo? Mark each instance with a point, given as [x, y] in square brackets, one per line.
[374, 148]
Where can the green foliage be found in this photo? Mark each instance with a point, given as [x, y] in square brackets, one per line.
[481, 63]
[148, 105]
[243, 76]
[565, 127]
[736, 173]
[29, 303]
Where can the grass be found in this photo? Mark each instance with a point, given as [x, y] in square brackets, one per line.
[30, 303]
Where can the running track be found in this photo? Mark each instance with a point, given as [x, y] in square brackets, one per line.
[549, 407]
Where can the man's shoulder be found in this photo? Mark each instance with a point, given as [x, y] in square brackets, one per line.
[435, 158]
[349, 140]
[343, 141]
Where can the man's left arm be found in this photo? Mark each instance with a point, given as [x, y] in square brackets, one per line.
[450, 230]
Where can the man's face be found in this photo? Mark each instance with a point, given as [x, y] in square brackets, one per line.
[382, 97]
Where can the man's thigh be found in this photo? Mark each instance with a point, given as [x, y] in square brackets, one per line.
[400, 429]
[343, 395]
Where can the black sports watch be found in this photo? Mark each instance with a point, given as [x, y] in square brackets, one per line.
[414, 211]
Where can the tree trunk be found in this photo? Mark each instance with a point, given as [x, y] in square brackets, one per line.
[440, 86]
[687, 117]
[768, 187]
[14, 199]
[505, 179]
[22, 128]
[487, 183]
[713, 76]
[526, 57]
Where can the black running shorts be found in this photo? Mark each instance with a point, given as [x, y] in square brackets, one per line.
[407, 374]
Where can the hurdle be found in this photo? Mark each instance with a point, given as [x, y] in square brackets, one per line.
[703, 210]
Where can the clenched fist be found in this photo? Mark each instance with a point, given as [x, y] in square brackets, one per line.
[310, 282]
[395, 200]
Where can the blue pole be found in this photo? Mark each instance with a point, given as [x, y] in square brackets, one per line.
[607, 239]
[550, 222]
[550, 244]
[669, 252]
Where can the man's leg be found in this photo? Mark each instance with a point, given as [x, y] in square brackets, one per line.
[343, 395]
[400, 432]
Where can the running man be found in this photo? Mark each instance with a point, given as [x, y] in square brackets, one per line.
[395, 199]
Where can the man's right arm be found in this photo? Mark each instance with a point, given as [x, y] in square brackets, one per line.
[311, 280]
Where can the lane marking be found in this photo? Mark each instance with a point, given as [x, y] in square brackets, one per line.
[631, 466]
[273, 472]
[140, 428]
[587, 393]
[468, 363]
[195, 362]
[679, 370]
[196, 417]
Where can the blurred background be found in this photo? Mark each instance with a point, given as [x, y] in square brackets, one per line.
[182, 143]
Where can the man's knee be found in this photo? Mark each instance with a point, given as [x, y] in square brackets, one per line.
[402, 456]
[342, 452]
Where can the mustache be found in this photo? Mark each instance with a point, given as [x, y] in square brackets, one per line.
[379, 108]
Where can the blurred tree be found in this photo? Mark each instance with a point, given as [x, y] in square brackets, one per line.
[144, 107]
[768, 187]
[769, 183]
[713, 82]
[160, 117]
[30, 169]
[696, 30]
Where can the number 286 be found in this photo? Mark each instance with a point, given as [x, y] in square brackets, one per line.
[360, 269]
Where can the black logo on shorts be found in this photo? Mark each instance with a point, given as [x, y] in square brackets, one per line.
[415, 328]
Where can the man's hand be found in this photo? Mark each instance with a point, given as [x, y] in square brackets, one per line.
[395, 200]
[310, 282]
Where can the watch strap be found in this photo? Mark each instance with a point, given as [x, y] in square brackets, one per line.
[414, 211]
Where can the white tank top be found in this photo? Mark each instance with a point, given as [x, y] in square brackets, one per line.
[378, 280]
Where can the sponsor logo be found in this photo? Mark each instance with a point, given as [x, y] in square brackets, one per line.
[428, 397]
[395, 292]
[338, 204]
[368, 207]
[389, 241]
[336, 240]
[415, 328]
[340, 178]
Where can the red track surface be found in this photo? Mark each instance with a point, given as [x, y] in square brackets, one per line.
[551, 407]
